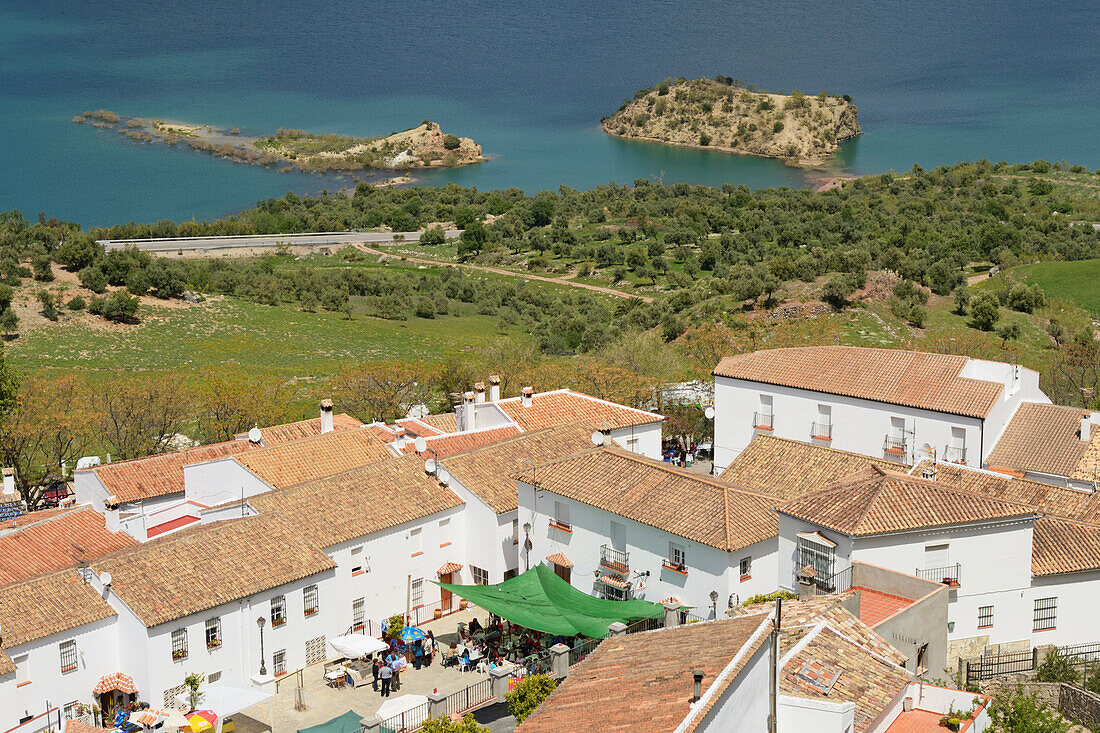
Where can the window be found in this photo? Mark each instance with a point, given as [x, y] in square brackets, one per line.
[515, 531]
[632, 445]
[179, 644]
[22, 670]
[822, 429]
[357, 564]
[278, 611]
[936, 556]
[213, 632]
[956, 450]
[561, 516]
[764, 417]
[1046, 614]
[68, 655]
[417, 592]
[444, 532]
[677, 557]
[509, 574]
[481, 577]
[985, 617]
[311, 604]
[746, 568]
[358, 613]
[214, 676]
[414, 537]
[72, 710]
[922, 659]
[278, 659]
[817, 555]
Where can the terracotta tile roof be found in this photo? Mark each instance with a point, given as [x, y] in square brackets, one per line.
[59, 540]
[450, 567]
[865, 679]
[655, 493]
[876, 606]
[32, 517]
[445, 445]
[444, 422]
[1043, 438]
[418, 427]
[1050, 500]
[276, 434]
[643, 682]
[790, 468]
[1064, 546]
[370, 499]
[117, 681]
[162, 474]
[48, 604]
[488, 471]
[76, 726]
[831, 610]
[912, 378]
[299, 461]
[560, 560]
[6, 665]
[205, 566]
[566, 406]
[876, 501]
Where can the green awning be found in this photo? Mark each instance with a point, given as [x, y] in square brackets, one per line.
[346, 723]
[542, 601]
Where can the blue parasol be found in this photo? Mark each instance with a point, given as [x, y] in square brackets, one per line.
[411, 633]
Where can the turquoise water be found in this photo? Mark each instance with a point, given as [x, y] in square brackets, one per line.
[936, 82]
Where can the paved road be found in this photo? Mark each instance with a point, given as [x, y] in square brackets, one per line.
[266, 240]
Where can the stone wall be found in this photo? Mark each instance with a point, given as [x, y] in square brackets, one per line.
[1080, 706]
[1076, 704]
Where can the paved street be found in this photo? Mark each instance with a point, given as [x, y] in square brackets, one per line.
[190, 244]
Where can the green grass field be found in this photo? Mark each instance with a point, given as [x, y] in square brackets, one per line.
[1077, 282]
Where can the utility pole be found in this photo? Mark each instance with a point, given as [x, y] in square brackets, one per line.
[773, 680]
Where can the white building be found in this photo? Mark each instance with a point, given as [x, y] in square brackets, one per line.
[1052, 444]
[884, 403]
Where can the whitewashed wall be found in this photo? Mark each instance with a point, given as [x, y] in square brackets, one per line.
[820, 716]
[643, 439]
[220, 481]
[489, 537]
[744, 704]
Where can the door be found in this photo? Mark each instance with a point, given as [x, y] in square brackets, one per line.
[562, 572]
[618, 536]
[444, 594]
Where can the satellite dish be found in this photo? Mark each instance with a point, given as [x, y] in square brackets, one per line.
[420, 444]
[927, 449]
[429, 465]
[597, 438]
[254, 435]
[105, 579]
[709, 412]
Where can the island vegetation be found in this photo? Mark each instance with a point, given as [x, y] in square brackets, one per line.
[724, 114]
[425, 146]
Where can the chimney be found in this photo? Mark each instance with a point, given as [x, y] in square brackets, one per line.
[471, 411]
[479, 392]
[697, 689]
[528, 396]
[111, 519]
[1086, 435]
[326, 416]
[494, 387]
[399, 438]
[9, 483]
[928, 471]
[907, 704]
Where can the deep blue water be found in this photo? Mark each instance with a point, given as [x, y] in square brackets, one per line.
[935, 81]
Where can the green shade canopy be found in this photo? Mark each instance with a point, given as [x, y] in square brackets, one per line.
[346, 723]
[542, 601]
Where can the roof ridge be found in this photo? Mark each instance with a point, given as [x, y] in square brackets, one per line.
[508, 440]
[46, 520]
[306, 440]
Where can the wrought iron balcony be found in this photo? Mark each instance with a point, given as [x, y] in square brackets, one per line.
[954, 454]
[821, 431]
[762, 420]
[615, 560]
[949, 575]
[894, 446]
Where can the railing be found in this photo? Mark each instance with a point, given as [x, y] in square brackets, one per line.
[954, 454]
[645, 624]
[762, 420]
[894, 445]
[537, 663]
[612, 559]
[838, 582]
[579, 651]
[687, 617]
[988, 667]
[949, 575]
[408, 720]
[470, 697]
[1084, 652]
[821, 431]
[426, 611]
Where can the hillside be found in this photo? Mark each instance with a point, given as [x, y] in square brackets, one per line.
[710, 114]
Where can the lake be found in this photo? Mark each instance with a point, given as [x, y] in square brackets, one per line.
[935, 82]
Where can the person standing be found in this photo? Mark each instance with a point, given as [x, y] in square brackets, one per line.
[395, 683]
[429, 649]
[375, 668]
[385, 673]
[418, 653]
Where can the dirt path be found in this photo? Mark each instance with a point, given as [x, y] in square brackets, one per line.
[975, 279]
[500, 271]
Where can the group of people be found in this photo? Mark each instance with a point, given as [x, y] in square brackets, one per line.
[387, 667]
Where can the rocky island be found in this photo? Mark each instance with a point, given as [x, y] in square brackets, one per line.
[722, 114]
[426, 146]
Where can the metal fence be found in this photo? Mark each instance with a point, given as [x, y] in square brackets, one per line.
[949, 575]
[538, 663]
[409, 720]
[646, 624]
[470, 697]
[838, 582]
[988, 667]
[579, 651]
[1081, 652]
[687, 617]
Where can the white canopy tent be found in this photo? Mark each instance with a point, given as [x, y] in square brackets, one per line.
[225, 699]
[394, 706]
[354, 646]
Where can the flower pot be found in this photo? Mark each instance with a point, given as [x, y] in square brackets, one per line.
[463, 603]
[438, 613]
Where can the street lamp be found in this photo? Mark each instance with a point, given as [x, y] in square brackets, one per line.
[263, 667]
[527, 546]
[714, 602]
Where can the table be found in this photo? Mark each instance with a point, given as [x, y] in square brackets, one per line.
[336, 677]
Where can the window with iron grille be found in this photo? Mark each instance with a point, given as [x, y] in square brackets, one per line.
[417, 592]
[311, 602]
[359, 613]
[214, 677]
[72, 710]
[278, 659]
[278, 611]
[68, 655]
[819, 557]
[179, 644]
[1046, 614]
[615, 593]
[985, 617]
[481, 577]
[746, 567]
[213, 632]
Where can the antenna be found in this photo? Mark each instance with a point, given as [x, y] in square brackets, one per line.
[106, 579]
[709, 412]
[254, 436]
[429, 465]
[420, 445]
[597, 438]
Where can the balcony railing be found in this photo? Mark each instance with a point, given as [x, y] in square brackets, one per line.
[762, 420]
[616, 560]
[821, 431]
[949, 575]
[894, 446]
[954, 454]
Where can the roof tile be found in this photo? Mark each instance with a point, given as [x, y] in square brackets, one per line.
[161, 474]
[286, 464]
[48, 604]
[1043, 438]
[563, 406]
[59, 540]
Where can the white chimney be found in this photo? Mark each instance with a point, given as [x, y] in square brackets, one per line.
[1086, 435]
[111, 518]
[326, 416]
[479, 392]
[399, 440]
[9, 483]
[494, 387]
[907, 704]
[471, 411]
[528, 396]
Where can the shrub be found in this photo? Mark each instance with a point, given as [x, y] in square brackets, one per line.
[1026, 299]
[1056, 667]
[50, 303]
[1017, 712]
[962, 299]
[1009, 332]
[528, 695]
[9, 322]
[76, 303]
[836, 291]
[6, 295]
[433, 235]
[786, 595]
[984, 311]
[451, 142]
[662, 88]
[443, 724]
[43, 268]
[704, 139]
[777, 127]
[93, 278]
[120, 307]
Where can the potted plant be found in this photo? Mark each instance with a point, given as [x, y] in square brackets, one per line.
[438, 613]
[178, 654]
[463, 603]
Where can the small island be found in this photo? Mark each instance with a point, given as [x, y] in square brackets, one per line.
[426, 146]
[723, 114]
